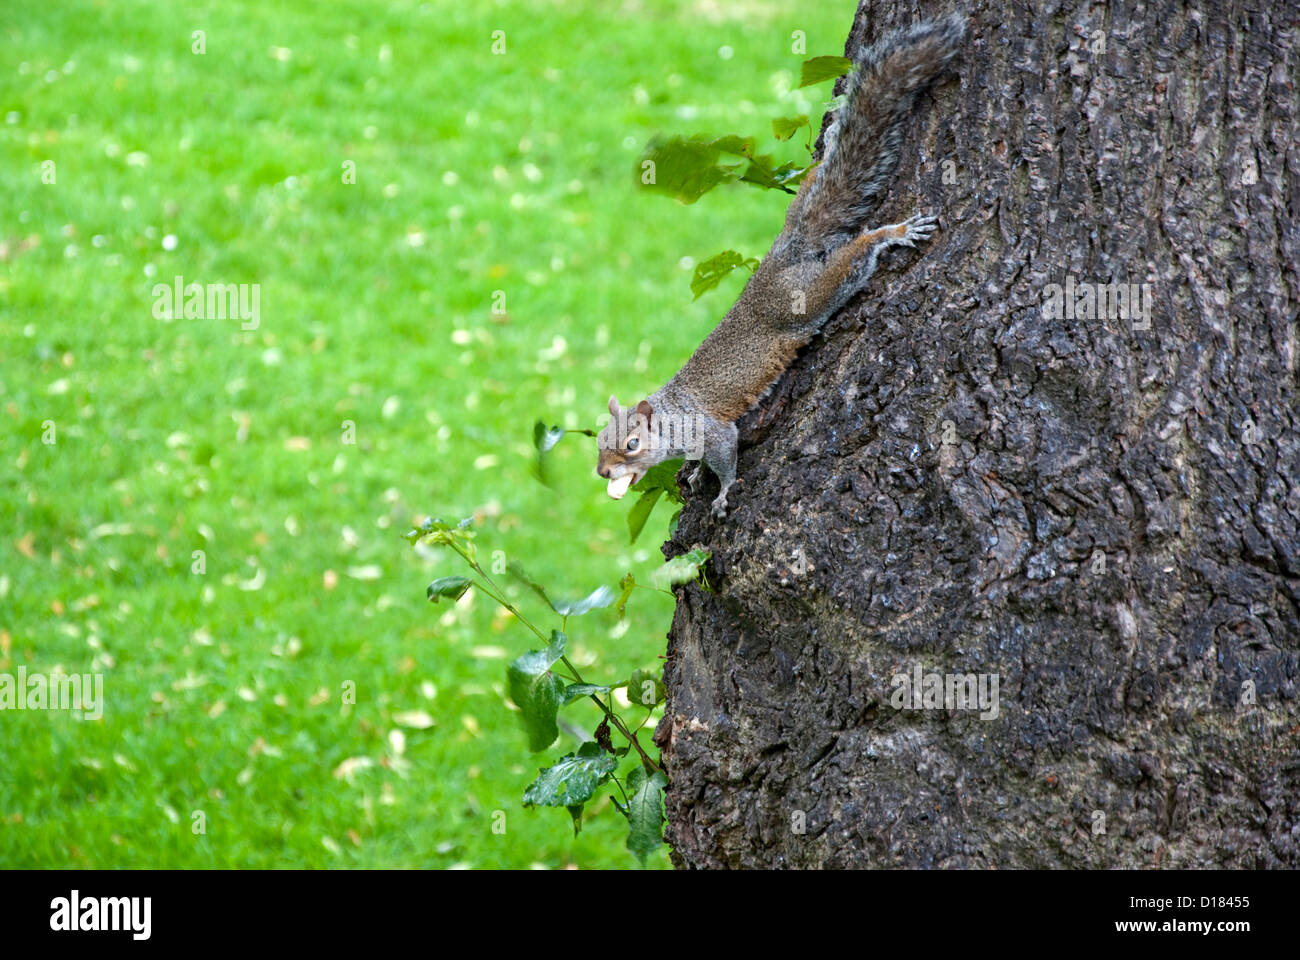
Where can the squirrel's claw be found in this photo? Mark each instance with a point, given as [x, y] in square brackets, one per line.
[719, 508]
[919, 227]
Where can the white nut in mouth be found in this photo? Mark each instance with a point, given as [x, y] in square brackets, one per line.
[619, 486]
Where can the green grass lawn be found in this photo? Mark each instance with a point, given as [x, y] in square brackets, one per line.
[474, 173]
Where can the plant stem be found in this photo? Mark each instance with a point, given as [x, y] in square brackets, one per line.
[497, 594]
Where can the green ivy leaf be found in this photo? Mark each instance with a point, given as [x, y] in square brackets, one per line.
[537, 692]
[663, 476]
[735, 145]
[761, 173]
[709, 273]
[602, 596]
[783, 128]
[626, 586]
[645, 812]
[687, 168]
[645, 688]
[821, 69]
[681, 569]
[790, 174]
[544, 440]
[640, 512]
[573, 780]
[451, 588]
[575, 811]
[661, 479]
[577, 691]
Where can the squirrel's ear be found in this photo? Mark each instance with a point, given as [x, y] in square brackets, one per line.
[613, 405]
[645, 410]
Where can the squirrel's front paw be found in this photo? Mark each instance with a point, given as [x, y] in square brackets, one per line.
[720, 505]
[919, 229]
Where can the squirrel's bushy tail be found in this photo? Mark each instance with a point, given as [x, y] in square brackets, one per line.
[862, 144]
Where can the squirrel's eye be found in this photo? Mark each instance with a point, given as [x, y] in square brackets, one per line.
[632, 444]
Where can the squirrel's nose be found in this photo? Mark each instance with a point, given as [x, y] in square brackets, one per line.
[603, 471]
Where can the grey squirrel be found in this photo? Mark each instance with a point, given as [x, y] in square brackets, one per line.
[819, 261]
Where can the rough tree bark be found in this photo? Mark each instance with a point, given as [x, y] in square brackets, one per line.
[1104, 517]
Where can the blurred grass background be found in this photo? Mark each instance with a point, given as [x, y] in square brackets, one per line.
[474, 173]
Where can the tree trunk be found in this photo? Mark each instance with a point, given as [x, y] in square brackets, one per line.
[957, 478]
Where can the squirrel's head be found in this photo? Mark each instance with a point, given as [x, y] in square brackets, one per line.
[626, 447]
